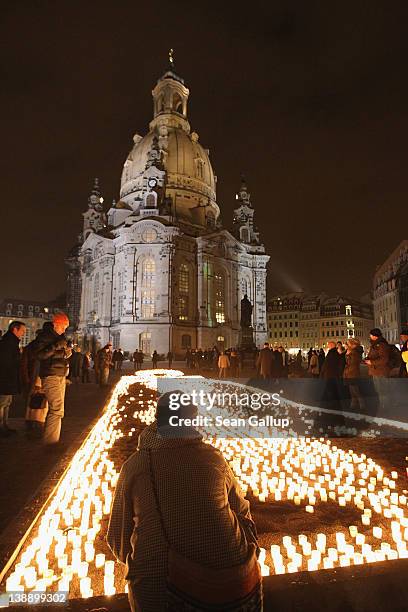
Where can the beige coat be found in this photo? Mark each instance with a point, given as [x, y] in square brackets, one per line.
[314, 365]
[223, 361]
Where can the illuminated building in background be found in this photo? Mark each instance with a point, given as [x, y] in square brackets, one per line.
[391, 293]
[299, 321]
[33, 314]
[159, 271]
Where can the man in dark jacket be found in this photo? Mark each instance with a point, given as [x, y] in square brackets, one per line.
[379, 368]
[265, 361]
[331, 372]
[53, 354]
[10, 383]
[378, 358]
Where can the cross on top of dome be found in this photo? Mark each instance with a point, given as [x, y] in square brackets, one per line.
[171, 70]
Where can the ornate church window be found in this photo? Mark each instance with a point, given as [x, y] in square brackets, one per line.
[151, 200]
[219, 298]
[149, 235]
[148, 293]
[184, 286]
[210, 219]
[178, 104]
[121, 305]
[183, 279]
[96, 286]
[244, 234]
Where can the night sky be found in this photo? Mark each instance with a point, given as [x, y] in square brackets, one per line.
[308, 99]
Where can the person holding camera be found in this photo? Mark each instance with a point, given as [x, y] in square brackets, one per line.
[52, 351]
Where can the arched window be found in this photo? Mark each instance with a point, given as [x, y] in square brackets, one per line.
[244, 231]
[210, 219]
[96, 286]
[147, 291]
[151, 200]
[160, 104]
[184, 288]
[219, 291]
[177, 104]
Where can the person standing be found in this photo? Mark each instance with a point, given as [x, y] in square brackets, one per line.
[86, 365]
[120, 358]
[332, 372]
[321, 357]
[314, 365]
[352, 374]
[170, 359]
[75, 364]
[342, 352]
[378, 361]
[104, 362]
[404, 353]
[155, 359]
[10, 382]
[135, 358]
[223, 365]
[52, 351]
[265, 360]
[234, 362]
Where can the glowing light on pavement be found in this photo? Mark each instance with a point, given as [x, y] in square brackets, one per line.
[307, 472]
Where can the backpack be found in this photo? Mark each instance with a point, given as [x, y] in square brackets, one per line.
[394, 360]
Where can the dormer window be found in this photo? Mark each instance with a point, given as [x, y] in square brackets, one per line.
[151, 200]
[178, 104]
[244, 233]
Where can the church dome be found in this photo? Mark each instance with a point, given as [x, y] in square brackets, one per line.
[190, 182]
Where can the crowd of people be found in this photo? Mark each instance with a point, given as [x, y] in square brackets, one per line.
[39, 371]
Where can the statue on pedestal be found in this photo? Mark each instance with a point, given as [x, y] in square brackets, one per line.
[246, 312]
[246, 335]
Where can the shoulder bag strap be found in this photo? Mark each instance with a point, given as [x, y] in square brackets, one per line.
[156, 498]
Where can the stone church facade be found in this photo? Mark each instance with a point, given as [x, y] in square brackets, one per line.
[158, 270]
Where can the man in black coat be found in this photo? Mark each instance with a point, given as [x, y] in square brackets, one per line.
[10, 383]
[331, 372]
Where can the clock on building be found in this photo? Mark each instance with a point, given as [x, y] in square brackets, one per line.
[152, 182]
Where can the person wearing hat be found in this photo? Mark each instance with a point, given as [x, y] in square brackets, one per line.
[51, 349]
[175, 488]
[103, 364]
[379, 355]
[404, 352]
[378, 361]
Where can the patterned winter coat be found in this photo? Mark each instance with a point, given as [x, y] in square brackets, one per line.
[206, 516]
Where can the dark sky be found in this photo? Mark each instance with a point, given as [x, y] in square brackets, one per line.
[308, 99]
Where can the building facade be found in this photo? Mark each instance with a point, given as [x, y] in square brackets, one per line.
[390, 289]
[159, 271]
[299, 321]
[32, 314]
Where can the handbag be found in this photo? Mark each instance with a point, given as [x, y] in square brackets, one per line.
[193, 587]
[38, 401]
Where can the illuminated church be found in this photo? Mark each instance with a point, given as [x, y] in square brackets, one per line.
[158, 271]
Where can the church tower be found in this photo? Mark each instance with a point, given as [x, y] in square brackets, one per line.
[159, 272]
[243, 224]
